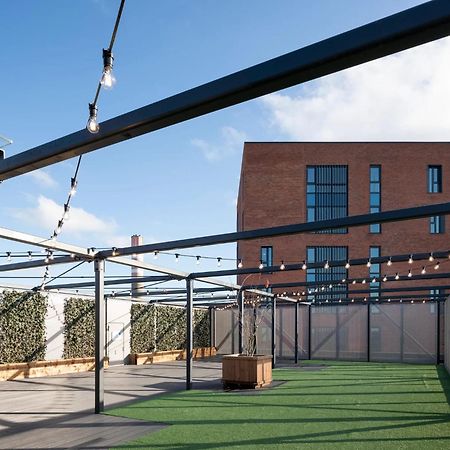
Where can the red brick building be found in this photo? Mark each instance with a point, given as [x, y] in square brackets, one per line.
[293, 182]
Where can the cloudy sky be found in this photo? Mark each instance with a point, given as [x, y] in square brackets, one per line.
[182, 181]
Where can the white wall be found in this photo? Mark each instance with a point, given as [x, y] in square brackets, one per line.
[118, 327]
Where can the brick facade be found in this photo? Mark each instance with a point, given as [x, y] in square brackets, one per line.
[272, 192]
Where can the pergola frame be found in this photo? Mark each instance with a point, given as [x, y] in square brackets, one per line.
[412, 27]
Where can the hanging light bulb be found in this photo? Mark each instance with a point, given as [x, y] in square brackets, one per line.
[73, 187]
[369, 263]
[108, 79]
[385, 278]
[114, 251]
[219, 261]
[410, 260]
[389, 263]
[30, 256]
[198, 260]
[66, 215]
[354, 282]
[46, 259]
[409, 273]
[343, 280]
[155, 254]
[51, 256]
[240, 265]
[374, 280]
[304, 266]
[436, 266]
[92, 124]
[347, 265]
[423, 271]
[8, 256]
[363, 281]
[282, 266]
[397, 276]
[326, 265]
[59, 227]
[431, 257]
[177, 257]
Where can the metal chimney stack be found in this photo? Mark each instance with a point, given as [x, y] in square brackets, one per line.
[137, 287]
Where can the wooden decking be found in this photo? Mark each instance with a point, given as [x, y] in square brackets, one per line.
[57, 412]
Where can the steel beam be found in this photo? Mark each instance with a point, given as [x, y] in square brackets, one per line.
[409, 28]
[99, 335]
[37, 263]
[25, 238]
[189, 333]
[396, 215]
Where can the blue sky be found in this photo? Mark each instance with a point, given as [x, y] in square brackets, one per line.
[181, 181]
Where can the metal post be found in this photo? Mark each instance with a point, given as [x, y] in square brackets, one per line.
[212, 326]
[309, 331]
[240, 300]
[99, 267]
[338, 325]
[189, 333]
[369, 331]
[274, 331]
[297, 305]
[438, 332]
[401, 332]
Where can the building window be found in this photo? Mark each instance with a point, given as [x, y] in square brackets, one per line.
[375, 196]
[435, 295]
[326, 194]
[437, 224]
[374, 271]
[266, 256]
[321, 277]
[434, 179]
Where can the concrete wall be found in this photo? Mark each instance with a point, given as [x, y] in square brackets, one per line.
[117, 332]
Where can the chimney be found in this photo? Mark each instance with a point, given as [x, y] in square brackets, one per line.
[136, 287]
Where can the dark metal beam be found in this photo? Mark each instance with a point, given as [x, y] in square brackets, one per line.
[189, 333]
[99, 336]
[409, 28]
[285, 230]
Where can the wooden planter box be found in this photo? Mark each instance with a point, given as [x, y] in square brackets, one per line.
[171, 355]
[15, 371]
[246, 371]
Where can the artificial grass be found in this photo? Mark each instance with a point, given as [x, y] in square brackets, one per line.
[343, 406]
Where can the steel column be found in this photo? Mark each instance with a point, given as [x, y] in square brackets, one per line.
[99, 267]
[309, 331]
[438, 333]
[297, 306]
[369, 330]
[189, 333]
[274, 332]
[240, 300]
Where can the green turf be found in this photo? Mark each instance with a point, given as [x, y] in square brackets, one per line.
[345, 406]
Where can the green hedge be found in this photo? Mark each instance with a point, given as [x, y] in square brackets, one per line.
[22, 326]
[164, 328]
[79, 328]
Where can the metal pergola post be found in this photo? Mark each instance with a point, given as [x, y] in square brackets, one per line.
[99, 268]
[369, 330]
[309, 331]
[189, 332]
[297, 306]
[274, 331]
[438, 332]
[240, 301]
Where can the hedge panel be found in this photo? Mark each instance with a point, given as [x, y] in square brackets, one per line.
[22, 326]
[79, 328]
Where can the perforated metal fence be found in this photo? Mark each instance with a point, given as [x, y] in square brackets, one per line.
[385, 332]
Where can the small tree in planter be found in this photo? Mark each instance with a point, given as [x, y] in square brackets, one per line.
[248, 369]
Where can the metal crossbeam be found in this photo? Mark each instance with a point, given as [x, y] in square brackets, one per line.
[409, 28]
[37, 263]
[285, 230]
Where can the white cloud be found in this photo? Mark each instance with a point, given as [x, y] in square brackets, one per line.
[81, 225]
[402, 97]
[42, 178]
[232, 141]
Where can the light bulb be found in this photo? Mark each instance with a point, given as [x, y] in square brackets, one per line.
[354, 282]
[155, 255]
[30, 256]
[177, 257]
[219, 262]
[385, 278]
[436, 266]
[423, 271]
[326, 265]
[343, 280]
[410, 260]
[347, 266]
[66, 214]
[198, 260]
[374, 280]
[304, 266]
[108, 79]
[389, 263]
[431, 257]
[409, 274]
[397, 276]
[369, 263]
[261, 265]
[114, 251]
[92, 124]
[51, 256]
[240, 265]
[363, 281]
[282, 267]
